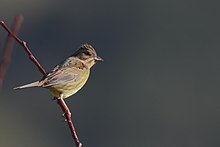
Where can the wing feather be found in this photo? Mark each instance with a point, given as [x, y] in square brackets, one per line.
[59, 77]
[67, 71]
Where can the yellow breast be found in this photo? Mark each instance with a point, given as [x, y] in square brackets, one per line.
[70, 88]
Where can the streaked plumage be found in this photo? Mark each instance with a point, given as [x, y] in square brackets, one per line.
[70, 75]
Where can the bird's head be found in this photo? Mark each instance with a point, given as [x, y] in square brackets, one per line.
[87, 54]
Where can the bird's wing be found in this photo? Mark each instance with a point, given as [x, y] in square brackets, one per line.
[60, 76]
[67, 71]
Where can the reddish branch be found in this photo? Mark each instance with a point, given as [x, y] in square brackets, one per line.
[61, 102]
[67, 115]
[24, 45]
[8, 46]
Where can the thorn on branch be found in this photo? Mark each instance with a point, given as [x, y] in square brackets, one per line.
[31, 57]
[24, 43]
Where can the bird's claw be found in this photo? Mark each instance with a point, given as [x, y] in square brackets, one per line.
[65, 115]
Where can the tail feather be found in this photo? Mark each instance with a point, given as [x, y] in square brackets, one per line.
[34, 84]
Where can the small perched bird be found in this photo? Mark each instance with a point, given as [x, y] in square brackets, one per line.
[70, 75]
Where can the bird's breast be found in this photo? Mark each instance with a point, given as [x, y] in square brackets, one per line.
[70, 88]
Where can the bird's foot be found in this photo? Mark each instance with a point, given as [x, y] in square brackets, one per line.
[66, 115]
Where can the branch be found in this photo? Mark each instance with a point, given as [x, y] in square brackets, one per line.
[67, 115]
[8, 47]
[24, 45]
[61, 102]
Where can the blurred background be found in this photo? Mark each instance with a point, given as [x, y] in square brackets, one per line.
[158, 86]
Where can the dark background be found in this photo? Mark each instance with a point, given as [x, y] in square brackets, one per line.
[158, 87]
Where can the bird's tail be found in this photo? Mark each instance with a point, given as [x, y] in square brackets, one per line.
[34, 84]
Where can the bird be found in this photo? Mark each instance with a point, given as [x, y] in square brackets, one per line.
[69, 76]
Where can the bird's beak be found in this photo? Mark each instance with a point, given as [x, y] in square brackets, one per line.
[97, 58]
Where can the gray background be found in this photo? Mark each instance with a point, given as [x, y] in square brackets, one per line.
[158, 87]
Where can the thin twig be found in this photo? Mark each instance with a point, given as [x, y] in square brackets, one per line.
[24, 45]
[61, 102]
[67, 115]
[8, 47]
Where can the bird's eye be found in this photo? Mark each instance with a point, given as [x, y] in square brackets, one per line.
[87, 53]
